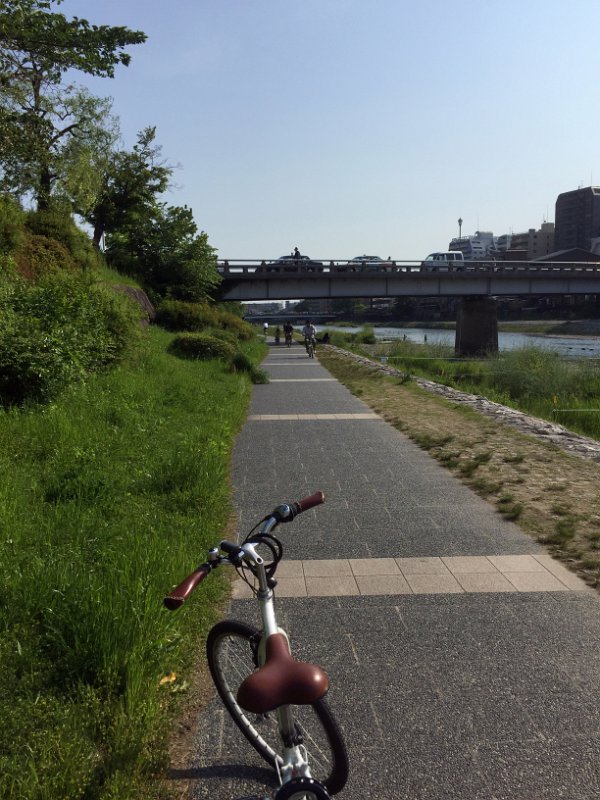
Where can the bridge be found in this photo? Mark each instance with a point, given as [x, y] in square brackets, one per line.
[259, 280]
[477, 283]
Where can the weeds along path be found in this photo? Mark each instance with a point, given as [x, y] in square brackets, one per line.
[547, 431]
[532, 471]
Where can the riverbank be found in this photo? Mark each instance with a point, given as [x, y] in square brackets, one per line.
[575, 327]
[550, 494]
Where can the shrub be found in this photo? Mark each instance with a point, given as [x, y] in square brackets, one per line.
[39, 256]
[529, 372]
[202, 346]
[225, 336]
[232, 322]
[338, 338]
[55, 331]
[365, 336]
[57, 223]
[177, 315]
[11, 224]
[243, 363]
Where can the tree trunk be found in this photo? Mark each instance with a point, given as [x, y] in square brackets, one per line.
[43, 196]
[98, 233]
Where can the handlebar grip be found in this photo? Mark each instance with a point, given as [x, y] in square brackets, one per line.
[177, 597]
[309, 502]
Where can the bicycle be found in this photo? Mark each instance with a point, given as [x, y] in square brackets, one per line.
[309, 343]
[277, 702]
[288, 339]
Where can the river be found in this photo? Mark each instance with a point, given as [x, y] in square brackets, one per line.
[574, 346]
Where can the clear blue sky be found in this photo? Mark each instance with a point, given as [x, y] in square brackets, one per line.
[361, 126]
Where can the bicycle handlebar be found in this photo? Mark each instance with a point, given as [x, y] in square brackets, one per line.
[177, 597]
[285, 513]
[309, 502]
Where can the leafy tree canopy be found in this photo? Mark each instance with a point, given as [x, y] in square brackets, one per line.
[130, 184]
[164, 250]
[31, 36]
[49, 129]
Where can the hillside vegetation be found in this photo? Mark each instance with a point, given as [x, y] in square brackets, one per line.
[115, 433]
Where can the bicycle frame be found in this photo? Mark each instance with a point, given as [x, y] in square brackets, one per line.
[294, 763]
[310, 344]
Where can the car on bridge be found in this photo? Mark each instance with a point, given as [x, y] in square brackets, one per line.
[292, 264]
[444, 262]
[365, 264]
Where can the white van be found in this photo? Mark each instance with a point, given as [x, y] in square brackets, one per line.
[443, 261]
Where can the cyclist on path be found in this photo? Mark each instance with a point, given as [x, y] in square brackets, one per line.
[309, 332]
[288, 331]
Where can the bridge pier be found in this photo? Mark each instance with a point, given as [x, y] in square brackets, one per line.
[476, 326]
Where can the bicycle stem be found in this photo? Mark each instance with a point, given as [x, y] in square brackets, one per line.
[265, 593]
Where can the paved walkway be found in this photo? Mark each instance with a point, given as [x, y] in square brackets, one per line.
[464, 661]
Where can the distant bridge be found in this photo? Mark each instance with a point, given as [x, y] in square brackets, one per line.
[248, 280]
[477, 283]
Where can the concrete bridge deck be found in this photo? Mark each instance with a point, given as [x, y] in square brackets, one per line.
[261, 280]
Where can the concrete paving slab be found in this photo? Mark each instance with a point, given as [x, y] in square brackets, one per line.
[331, 586]
[432, 565]
[468, 564]
[292, 587]
[507, 564]
[327, 568]
[374, 566]
[484, 582]
[433, 584]
[569, 579]
[382, 584]
[535, 582]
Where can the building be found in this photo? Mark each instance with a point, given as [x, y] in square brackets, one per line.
[577, 219]
[529, 244]
[474, 248]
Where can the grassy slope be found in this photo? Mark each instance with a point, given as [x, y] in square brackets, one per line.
[107, 498]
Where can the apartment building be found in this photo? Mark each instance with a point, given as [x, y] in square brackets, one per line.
[577, 219]
[530, 244]
[474, 248]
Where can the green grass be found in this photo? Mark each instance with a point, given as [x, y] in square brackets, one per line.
[532, 380]
[108, 497]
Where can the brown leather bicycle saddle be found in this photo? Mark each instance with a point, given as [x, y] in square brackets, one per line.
[281, 680]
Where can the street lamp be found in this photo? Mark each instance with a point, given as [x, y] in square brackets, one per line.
[459, 227]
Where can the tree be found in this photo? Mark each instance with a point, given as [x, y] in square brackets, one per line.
[42, 121]
[130, 184]
[160, 245]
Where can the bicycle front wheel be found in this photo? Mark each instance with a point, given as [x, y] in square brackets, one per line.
[232, 652]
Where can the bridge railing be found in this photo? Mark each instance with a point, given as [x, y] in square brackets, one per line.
[256, 268]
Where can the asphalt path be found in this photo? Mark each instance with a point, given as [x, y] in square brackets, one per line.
[447, 687]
